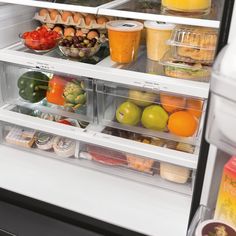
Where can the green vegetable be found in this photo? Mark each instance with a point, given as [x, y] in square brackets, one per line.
[74, 94]
[33, 86]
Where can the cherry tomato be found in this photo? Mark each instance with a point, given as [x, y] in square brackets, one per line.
[35, 35]
[25, 35]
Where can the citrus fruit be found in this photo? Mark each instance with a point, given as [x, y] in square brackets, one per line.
[195, 107]
[182, 123]
[142, 98]
[172, 103]
[128, 113]
[154, 117]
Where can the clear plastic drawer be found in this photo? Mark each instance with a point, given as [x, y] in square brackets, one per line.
[150, 112]
[47, 92]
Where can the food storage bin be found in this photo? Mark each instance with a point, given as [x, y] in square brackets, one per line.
[43, 143]
[182, 70]
[149, 112]
[221, 127]
[189, 6]
[131, 166]
[47, 92]
[193, 44]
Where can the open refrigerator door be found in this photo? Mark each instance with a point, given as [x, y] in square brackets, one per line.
[104, 126]
[217, 210]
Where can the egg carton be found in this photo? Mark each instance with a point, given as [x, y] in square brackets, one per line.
[46, 19]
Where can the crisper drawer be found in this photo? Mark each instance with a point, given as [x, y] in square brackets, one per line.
[43, 143]
[150, 112]
[99, 158]
[46, 94]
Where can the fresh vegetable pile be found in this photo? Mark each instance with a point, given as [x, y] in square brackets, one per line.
[41, 39]
[68, 92]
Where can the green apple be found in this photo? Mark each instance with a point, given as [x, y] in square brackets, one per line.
[128, 113]
[154, 117]
[142, 98]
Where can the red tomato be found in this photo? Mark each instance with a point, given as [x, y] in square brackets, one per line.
[25, 35]
[35, 35]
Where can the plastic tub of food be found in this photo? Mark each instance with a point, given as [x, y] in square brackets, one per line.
[79, 47]
[189, 6]
[157, 35]
[124, 38]
[182, 70]
[193, 44]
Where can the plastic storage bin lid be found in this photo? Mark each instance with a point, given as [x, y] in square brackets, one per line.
[124, 25]
[158, 25]
[194, 37]
[224, 73]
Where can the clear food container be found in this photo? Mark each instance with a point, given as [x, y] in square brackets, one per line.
[149, 112]
[45, 91]
[189, 6]
[182, 70]
[38, 142]
[193, 44]
[221, 127]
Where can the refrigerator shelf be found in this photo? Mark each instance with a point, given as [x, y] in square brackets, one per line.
[124, 8]
[125, 165]
[105, 70]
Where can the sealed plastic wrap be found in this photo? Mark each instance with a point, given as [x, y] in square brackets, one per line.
[221, 127]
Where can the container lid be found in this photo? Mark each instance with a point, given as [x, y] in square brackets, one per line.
[158, 25]
[194, 37]
[124, 25]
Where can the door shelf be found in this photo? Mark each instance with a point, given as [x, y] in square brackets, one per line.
[147, 10]
[106, 70]
[122, 164]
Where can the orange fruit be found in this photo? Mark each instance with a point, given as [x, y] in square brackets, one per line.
[172, 103]
[182, 123]
[195, 107]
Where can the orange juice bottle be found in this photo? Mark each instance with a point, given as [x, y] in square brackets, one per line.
[226, 202]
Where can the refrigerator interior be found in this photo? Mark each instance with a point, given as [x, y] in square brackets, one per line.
[98, 140]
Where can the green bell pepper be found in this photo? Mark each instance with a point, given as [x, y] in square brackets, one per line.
[33, 86]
